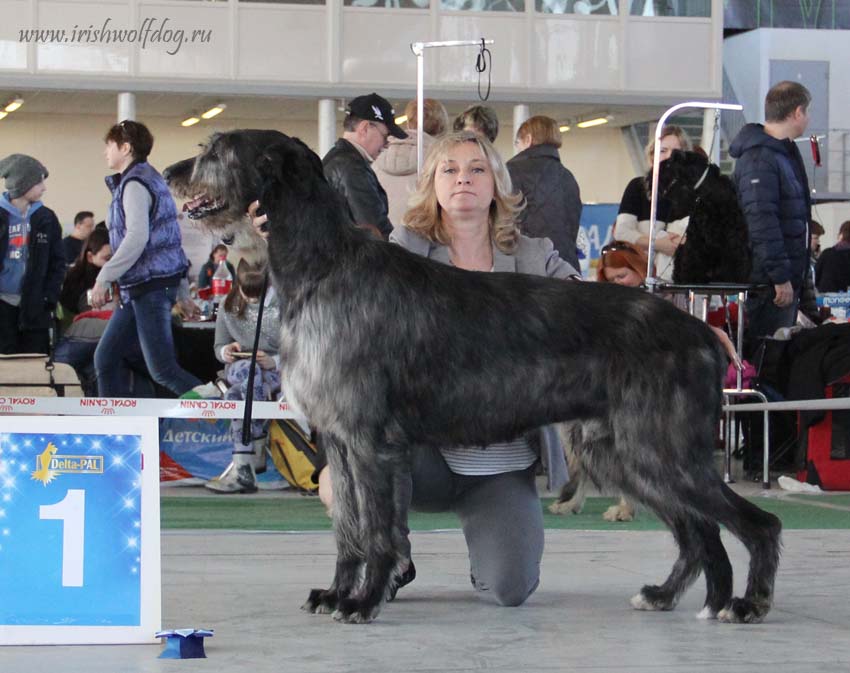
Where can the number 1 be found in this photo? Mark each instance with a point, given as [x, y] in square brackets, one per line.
[72, 511]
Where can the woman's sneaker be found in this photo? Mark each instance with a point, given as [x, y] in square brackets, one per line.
[236, 478]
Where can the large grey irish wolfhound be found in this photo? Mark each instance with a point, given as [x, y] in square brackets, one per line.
[386, 352]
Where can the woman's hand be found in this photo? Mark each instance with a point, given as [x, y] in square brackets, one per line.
[228, 351]
[258, 221]
[188, 309]
[98, 295]
[667, 243]
[726, 342]
[265, 360]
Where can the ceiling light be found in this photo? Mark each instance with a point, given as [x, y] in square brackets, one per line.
[3, 114]
[564, 128]
[401, 120]
[190, 121]
[13, 105]
[214, 111]
[596, 121]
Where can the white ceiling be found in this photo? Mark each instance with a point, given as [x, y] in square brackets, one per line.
[178, 106]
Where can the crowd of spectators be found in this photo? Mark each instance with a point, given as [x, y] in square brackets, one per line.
[114, 284]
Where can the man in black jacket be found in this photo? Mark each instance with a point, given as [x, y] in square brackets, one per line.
[32, 263]
[369, 120]
[774, 194]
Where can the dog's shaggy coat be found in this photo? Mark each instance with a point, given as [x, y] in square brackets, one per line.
[386, 351]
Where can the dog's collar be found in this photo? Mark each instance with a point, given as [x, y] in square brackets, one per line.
[702, 178]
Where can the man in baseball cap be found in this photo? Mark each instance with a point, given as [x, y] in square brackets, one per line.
[369, 121]
[32, 264]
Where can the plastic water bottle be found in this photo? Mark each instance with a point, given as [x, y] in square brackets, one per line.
[221, 282]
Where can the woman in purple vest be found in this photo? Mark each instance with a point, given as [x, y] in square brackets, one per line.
[147, 266]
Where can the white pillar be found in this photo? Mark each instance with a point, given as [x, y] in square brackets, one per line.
[521, 113]
[126, 106]
[708, 136]
[327, 125]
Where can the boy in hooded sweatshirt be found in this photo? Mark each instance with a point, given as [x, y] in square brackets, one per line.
[32, 264]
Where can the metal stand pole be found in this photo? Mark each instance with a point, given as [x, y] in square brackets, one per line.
[418, 48]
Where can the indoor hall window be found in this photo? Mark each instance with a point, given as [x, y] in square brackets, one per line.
[288, 2]
[603, 7]
[393, 4]
[671, 8]
[482, 5]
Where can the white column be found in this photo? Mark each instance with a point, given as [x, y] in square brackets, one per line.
[327, 125]
[708, 136]
[126, 106]
[521, 113]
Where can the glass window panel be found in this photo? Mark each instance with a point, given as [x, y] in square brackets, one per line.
[287, 2]
[671, 8]
[394, 4]
[483, 5]
[603, 7]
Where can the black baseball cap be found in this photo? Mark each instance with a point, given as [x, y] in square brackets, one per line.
[374, 108]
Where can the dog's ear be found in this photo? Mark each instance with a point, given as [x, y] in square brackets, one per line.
[289, 166]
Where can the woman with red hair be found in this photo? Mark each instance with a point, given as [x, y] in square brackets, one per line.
[623, 264]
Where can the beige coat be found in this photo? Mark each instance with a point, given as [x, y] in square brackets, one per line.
[396, 171]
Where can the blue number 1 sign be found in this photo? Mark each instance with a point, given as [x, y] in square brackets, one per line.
[79, 530]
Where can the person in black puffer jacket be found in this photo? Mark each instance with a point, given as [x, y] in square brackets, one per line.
[553, 199]
[773, 190]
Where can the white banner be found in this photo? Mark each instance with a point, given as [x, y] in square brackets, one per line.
[125, 406]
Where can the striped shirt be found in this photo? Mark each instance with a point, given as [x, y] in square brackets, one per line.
[493, 459]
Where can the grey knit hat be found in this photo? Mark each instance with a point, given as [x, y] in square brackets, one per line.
[22, 173]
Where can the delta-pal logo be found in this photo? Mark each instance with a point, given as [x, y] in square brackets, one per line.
[49, 464]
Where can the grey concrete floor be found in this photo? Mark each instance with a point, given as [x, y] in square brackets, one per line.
[249, 586]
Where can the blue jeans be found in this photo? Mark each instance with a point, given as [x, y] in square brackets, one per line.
[762, 317]
[138, 336]
[80, 355]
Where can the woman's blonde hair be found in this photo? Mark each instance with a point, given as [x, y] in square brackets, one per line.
[541, 129]
[424, 215]
[668, 130]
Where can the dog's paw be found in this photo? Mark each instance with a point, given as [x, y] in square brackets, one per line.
[743, 611]
[353, 611]
[566, 506]
[651, 598]
[706, 613]
[619, 512]
[320, 602]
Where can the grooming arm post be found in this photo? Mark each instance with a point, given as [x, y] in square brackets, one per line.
[418, 48]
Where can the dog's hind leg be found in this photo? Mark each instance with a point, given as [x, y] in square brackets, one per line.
[572, 496]
[346, 527]
[717, 569]
[573, 493]
[685, 570]
[760, 532]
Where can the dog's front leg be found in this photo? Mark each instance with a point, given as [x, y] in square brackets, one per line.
[382, 486]
[346, 531]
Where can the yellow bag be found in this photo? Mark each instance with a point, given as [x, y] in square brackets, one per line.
[293, 454]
